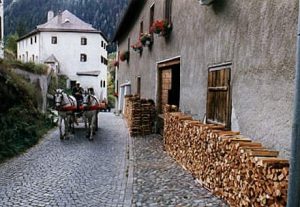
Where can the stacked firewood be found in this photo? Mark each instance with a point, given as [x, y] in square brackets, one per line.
[139, 114]
[232, 166]
[133, 114]
[146, 117]
[166, 108]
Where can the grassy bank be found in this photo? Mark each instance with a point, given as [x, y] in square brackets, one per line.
[21, 123]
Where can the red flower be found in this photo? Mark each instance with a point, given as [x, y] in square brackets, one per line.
[124, 56]
[138, 47]
[162, 27]
[116, 63]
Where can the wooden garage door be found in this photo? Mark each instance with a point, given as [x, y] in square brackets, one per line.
[166, 78]
[218, 108]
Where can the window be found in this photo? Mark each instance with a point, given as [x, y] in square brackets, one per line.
[104, 84]
[101, 84]
[102, 44]
[31, 40]
[54, 40]
[128, 49]
[151, 16]
[218, 105]
[138, 85]
[168, 10]
[141, 28]
[35, 39]
[83, 41]
[83, 58]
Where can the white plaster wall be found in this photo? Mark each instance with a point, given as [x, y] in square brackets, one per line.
[67, 51]
[32, 49]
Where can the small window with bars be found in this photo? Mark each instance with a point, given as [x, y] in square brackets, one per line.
[83, 58]
[83, 41]
[53, 40]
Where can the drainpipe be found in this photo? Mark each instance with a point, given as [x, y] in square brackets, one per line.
[117, 99]
[294, 176]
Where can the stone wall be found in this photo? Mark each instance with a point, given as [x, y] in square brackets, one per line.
[41, 82]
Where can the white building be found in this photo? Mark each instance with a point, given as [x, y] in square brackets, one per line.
[71, 47]
[1, 30]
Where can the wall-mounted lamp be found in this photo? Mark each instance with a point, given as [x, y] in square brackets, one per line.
[205, 2]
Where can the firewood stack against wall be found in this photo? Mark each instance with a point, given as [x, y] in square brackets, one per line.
[232, 166]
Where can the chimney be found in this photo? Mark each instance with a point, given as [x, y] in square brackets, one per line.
[50, 15]
[59, 17]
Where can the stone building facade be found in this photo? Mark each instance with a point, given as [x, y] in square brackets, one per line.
[230, 62]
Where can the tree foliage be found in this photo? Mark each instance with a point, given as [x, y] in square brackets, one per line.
[24, 15]
[11, 43]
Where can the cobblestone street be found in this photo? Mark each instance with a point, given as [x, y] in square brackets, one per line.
[113, 170]
[160, 181]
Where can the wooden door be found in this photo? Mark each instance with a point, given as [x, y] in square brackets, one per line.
[218, 108]
[166, 86]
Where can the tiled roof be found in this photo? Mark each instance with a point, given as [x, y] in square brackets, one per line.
[66, 21]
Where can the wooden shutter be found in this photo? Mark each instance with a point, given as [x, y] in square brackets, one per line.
[218, 108]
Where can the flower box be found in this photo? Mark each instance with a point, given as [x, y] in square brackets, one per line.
[137, 47]
[116, 63]
[146, 39]
[162, 27]
[124, 56]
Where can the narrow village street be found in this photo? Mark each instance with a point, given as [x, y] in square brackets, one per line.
[113, 170]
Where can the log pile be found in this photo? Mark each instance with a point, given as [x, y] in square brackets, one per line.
[140, 115]
[166, 108]
[232, 166]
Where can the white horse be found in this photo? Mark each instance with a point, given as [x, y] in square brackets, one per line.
[65, 105]
[90, 112]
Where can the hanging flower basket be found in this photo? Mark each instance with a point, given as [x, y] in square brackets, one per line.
[124, 55]
[116, 63]
[162, 27]
[137, 47]
[146, 39]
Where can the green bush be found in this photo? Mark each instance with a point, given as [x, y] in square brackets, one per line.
[111, 101]
[39, 69]
[21, 128]
[21, 123]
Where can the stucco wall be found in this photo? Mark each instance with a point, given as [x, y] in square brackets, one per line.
[67, 51]
[258, 37]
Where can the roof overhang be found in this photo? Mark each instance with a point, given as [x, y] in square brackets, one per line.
[89, 73]
[62, 30]
[128, 18]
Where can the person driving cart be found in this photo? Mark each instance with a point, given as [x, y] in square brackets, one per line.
[77, 92]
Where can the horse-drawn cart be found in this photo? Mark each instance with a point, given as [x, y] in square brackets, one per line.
[69, 112]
